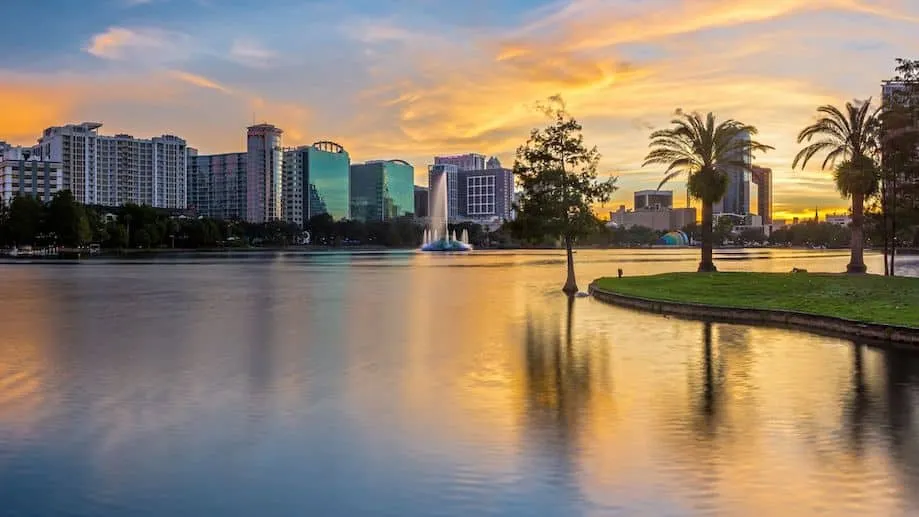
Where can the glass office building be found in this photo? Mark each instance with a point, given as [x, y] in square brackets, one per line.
[317, 181]
[737, 197]
[382, 190]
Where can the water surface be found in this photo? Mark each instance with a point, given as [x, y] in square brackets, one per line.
[405, 384]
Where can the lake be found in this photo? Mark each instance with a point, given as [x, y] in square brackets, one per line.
[406, 384]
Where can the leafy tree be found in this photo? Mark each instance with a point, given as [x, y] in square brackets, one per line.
[850, 138]
[723, 230]
[558, 176]
[116, 236]
[67, 219]
[752, 236]
[322, 229]
[24, 220]
[4, 223]
[899, 186]
[142, 238]
[704, 151]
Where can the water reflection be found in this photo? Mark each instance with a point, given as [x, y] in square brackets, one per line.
[417, 385]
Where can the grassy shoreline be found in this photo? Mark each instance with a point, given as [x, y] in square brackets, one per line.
[865, 298]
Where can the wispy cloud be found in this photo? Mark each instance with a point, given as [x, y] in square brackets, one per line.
[251, 53]
[144, 44]
[199, 81]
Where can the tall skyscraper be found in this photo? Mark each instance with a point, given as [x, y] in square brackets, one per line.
[316, 181]
[217, 185]
[382, 190]
[263, 173]
[114, 170]
[762, 178]
[736, 199]
[463, 162]
[493, 163]
[451, 172]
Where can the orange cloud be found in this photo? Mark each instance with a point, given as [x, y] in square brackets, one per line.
[26, 110]
[198, 80]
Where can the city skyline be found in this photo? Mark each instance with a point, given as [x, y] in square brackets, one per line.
[399, 80]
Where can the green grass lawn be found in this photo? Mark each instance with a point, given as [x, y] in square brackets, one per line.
[867, 298]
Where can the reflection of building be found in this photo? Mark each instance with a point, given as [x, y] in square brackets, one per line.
[463, 162]
[737, 198]
[217, 185]
[263, 174]
[762, 179]
[660, 220]
[839, 219]
[382, 190]
[114, 170]
[653, 199]
[421, 202]
[486, 194]
[25, 174]
[451, 172]
[316, 181]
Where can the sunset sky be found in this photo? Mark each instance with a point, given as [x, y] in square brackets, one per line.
[413, 78]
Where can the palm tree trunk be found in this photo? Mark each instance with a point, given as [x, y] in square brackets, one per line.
[885, 220]
[571, 286]
[857, 262]
[707, 265]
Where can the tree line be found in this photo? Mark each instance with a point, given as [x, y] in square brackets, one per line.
[63, 222]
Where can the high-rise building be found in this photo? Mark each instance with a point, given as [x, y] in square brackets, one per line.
[217, 185]
[316, 181]
[736, 199]
[24, 173]
[264, 181]
[762, 179]
[421, 202]
[114, 170]
[493, 163]
[451, 172]
[486, 194]
[382, 190]
[463, 162]
[653, 199]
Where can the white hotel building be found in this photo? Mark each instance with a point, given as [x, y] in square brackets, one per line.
[120, 169]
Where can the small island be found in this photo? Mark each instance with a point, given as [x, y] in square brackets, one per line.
[857, 306]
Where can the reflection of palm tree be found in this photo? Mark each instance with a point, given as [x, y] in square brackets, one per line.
[709, 407]
[859, 405]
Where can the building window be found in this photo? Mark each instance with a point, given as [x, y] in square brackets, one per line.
[480, 195]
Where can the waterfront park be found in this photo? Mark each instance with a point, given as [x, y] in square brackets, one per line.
[559, 178]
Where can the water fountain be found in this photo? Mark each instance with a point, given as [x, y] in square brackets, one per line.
[439, 238]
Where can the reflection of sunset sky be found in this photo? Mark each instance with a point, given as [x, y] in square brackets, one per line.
[406, 378]
[396, 78]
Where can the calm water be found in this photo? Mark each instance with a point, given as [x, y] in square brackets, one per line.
[403, 384]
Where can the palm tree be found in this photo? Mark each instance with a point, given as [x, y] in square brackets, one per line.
[705, 152]
[850, 138]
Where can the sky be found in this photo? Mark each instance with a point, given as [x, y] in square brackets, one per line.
[411, 79]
